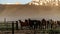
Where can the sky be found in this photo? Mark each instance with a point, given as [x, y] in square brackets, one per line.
[14, 1]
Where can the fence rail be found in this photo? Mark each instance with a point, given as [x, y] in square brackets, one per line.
[13, 28]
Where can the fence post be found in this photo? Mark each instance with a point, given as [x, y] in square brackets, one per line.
[16, 25]
[34, 28]
[12, 27]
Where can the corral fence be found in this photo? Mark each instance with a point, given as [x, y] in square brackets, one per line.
[12, 28]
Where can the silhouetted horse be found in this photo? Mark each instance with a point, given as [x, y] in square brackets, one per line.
[52, 24]
[24, 24]
[34, 23]
[48, 24]
[58, 23]
[39, 24]
[44, 24]
[30, 23]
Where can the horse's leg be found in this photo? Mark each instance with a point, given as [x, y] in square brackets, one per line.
[39, 26]
[30, 26]
[21, 27]
[35, 26]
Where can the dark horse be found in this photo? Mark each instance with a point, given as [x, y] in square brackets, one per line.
[34, 23]
[58, 23]
[31, 24]
[24, 24]
[43, 24]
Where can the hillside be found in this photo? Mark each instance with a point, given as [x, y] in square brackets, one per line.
[15, 12]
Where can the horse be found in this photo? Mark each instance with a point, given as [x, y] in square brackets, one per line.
[58, 23]
[16, 25]
[52, 24]
[34, 23]
[23, 24]
[43, 24]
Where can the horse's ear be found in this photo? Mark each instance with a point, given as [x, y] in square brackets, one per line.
[19, 20]
[29, 19]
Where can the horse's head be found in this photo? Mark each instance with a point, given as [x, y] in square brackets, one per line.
[16, 21]
[20, 21]
[26, 20]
